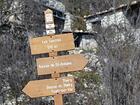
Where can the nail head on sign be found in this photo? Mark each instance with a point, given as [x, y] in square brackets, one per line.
[51, 36]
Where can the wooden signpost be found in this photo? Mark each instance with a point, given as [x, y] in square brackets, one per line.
[54, 65]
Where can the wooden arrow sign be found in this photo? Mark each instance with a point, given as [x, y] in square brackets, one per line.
[49, 87]
[61, 64]
[52, 43]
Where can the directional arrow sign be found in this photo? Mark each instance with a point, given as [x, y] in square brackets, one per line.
[61, 64]
[52, 43]
[49, 87]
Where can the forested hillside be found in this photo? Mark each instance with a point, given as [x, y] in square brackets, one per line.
[85, 7]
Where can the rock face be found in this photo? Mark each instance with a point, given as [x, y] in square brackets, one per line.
[54, 4]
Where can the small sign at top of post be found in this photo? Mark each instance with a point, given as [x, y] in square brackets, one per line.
[49, 22]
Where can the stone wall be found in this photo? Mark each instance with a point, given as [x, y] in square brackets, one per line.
[108, 19]
[116, 18]
[90, 21]
[127, 19]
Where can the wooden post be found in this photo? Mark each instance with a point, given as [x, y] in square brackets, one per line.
[58, 98]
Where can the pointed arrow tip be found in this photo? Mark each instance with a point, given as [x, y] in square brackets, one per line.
[27, 89]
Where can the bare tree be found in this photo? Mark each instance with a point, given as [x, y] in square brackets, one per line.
[119, 54]
[16, 67]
